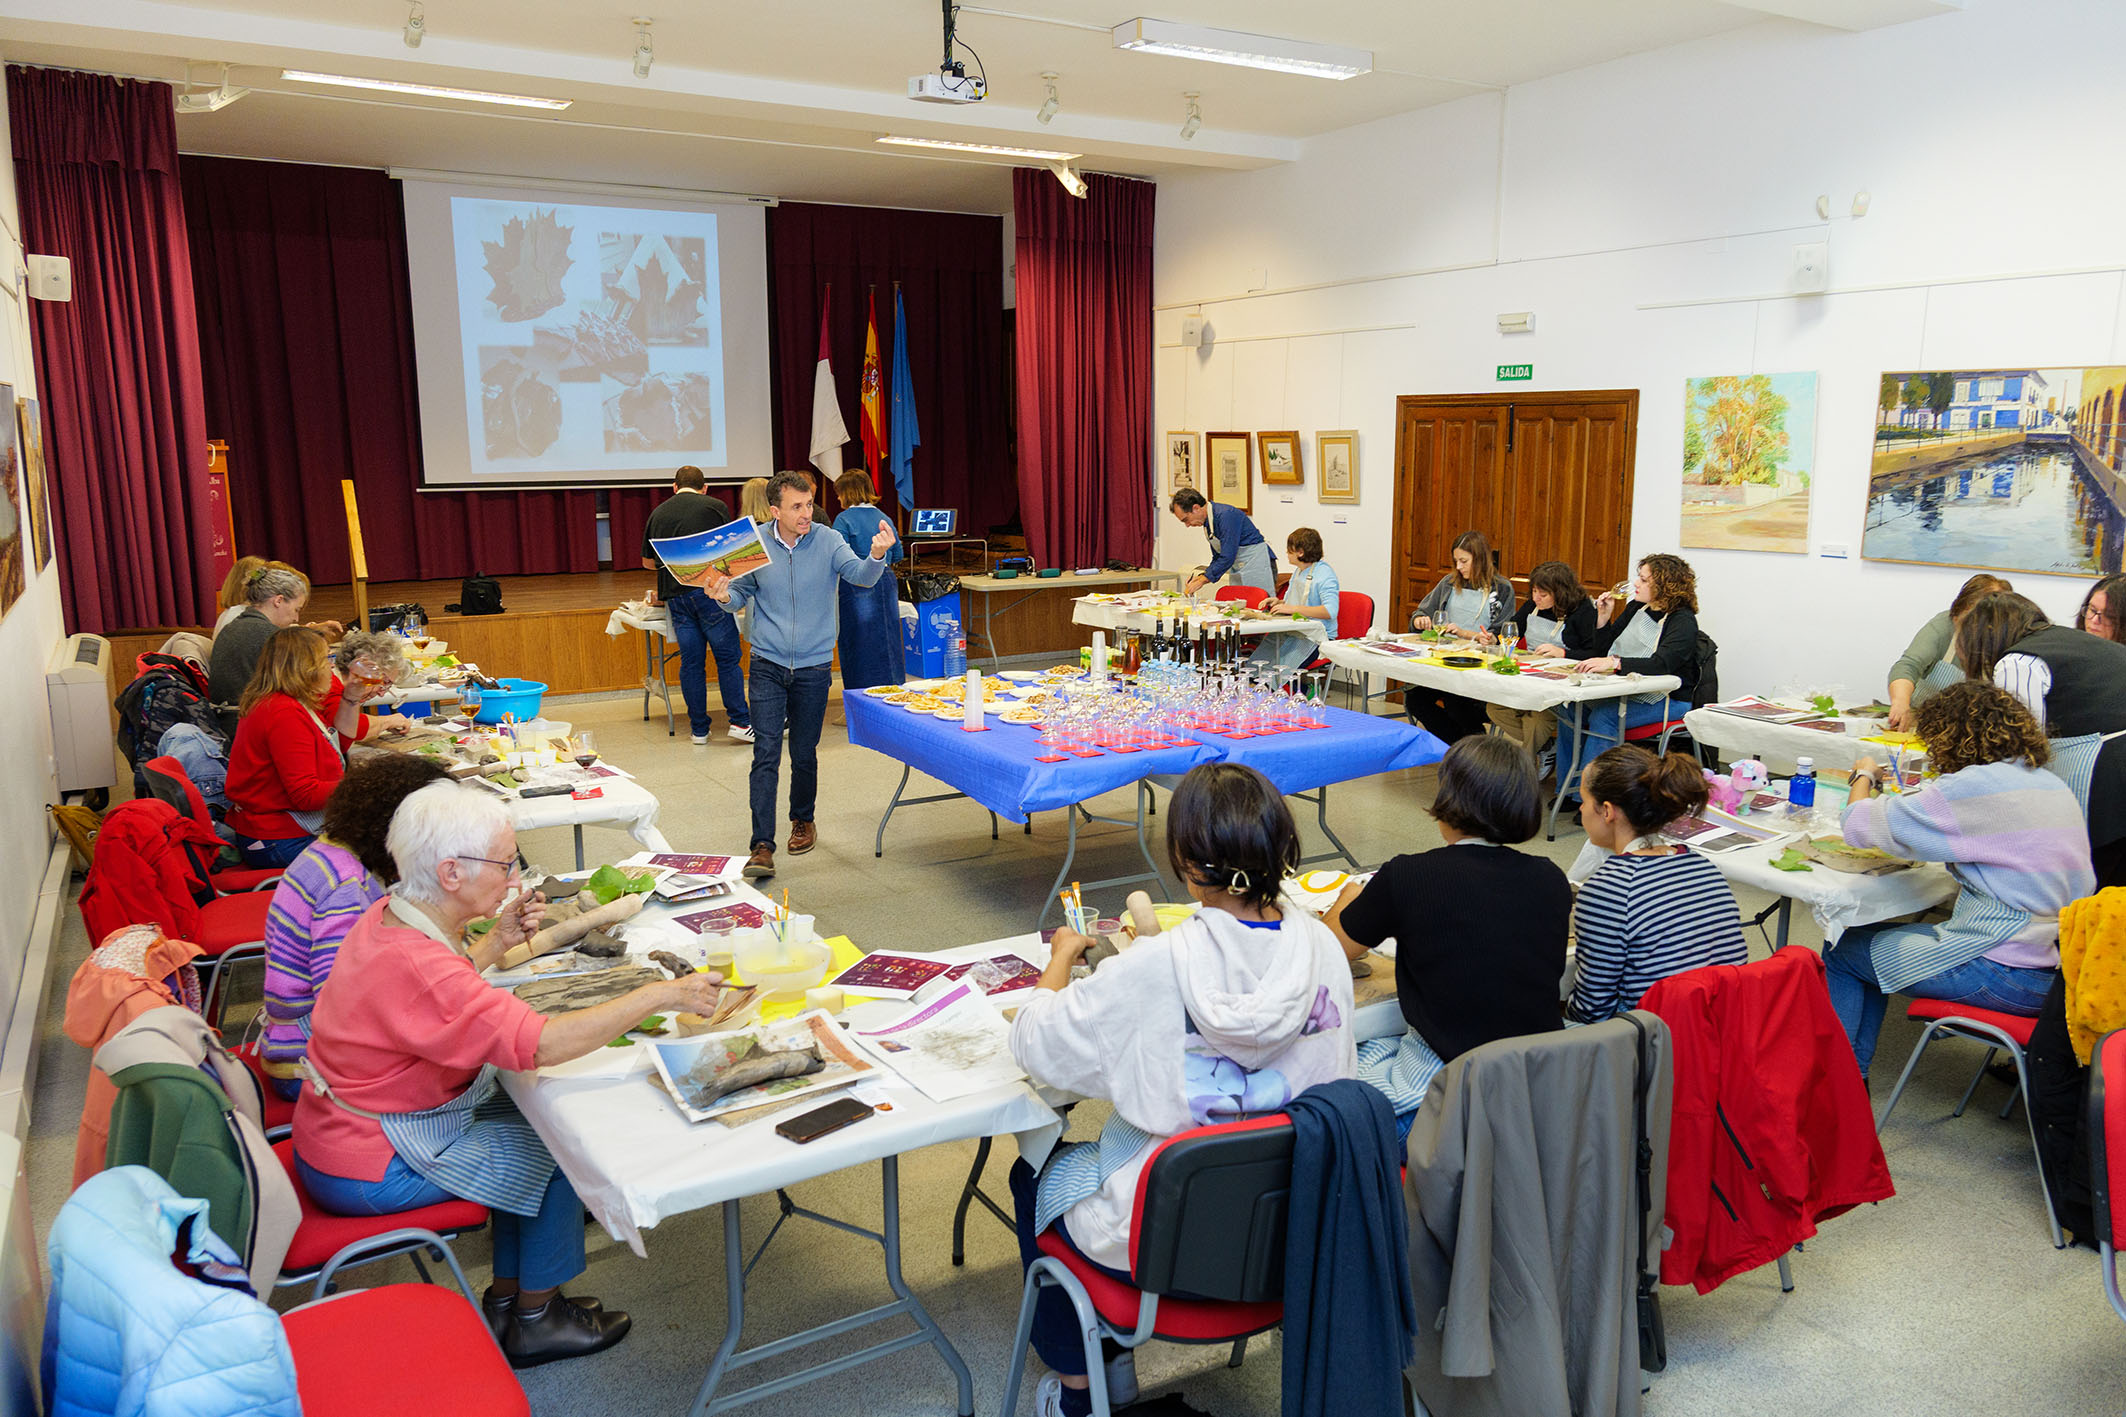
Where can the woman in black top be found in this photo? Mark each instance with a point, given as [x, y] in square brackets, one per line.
[1479, 928]
[1557, 620]
[1657, 633]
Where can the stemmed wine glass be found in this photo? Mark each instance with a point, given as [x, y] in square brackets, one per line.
[586, 750]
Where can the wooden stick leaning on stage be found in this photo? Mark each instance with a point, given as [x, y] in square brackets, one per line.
[357, 558]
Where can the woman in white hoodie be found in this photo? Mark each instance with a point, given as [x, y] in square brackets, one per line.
[1232, 1013]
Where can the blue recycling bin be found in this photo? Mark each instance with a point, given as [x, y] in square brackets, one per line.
[924, 640]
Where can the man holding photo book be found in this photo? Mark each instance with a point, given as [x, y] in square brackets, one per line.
[795, 620]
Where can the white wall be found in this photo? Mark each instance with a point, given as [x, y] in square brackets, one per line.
[28, 633]
[1636, 208]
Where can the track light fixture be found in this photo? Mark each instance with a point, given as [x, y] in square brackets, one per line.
[416, 25]
[644, 55]
[1048, 109]
[1072, 182]
[1193, 123]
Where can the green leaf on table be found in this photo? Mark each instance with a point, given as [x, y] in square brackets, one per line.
[1823, 703]
[607, 884]
[1791, 860]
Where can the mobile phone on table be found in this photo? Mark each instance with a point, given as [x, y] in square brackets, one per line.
[812, 1125]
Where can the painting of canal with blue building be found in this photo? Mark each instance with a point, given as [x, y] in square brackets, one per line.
[2001, 469]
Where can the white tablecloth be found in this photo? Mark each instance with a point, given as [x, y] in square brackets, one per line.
[1109, 615]
[1779, 744]
[633, 615]
[1520, 691]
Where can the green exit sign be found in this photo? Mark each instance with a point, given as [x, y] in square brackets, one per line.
[1510, 372]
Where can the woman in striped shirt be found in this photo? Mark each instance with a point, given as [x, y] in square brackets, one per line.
[2012, 834]
[322, 893]
[1650, 910]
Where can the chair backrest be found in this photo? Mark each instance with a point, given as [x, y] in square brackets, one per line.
[1210, 1215]
[1246, 594]
[169, 782]
[144, 871]
[1354, 614]
[2107, 1134]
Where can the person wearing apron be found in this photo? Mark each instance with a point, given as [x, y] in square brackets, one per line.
[1558, 622]
[1929, 664]
[287, 757]
[1657, 633]
[1475, 602]
[1312, 594]
[407, 1041]
[1238, 551]
[868, 641]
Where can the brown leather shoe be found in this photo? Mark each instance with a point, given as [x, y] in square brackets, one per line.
[761, 863]
[803, 837]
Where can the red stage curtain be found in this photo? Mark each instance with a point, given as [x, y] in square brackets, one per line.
[1084, 281]
[125, 437]
[951, 270]
[306, 331]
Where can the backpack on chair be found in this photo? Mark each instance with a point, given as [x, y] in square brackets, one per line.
[166, 691]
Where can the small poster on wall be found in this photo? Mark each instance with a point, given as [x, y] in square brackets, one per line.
[1180, 462]
[1749, 455]
[14, 540]
[1229, 456]
[1336, 454]
[2000, 469]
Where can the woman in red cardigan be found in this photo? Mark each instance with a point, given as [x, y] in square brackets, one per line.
[292, 733]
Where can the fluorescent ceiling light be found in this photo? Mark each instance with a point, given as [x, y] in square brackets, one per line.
[348, 81]
[985, 149]
[1253, 51]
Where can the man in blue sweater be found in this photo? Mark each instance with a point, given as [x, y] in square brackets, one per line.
[795, 609]
[1236, 546]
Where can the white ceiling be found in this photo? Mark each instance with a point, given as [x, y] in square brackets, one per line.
[785, 97]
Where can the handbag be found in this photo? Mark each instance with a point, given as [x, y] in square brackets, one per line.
[1653, 1338]
[477, 595]
[929, 585]
[395, 617]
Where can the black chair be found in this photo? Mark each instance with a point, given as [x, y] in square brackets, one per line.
[1209, 1224]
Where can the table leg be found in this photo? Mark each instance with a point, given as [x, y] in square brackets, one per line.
[989, 629]
[1320, 799]
[970, 1193]
[1579, 745]
[1786, 919]
[649, 670]
[1070, 854]
[878, 843]
[579, 846]
[734, 1307]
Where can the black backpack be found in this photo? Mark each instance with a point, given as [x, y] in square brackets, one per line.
[1707, 689]
[168, 691]
[477, 595]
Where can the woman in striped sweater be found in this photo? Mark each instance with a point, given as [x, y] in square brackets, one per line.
[2014, 839]
[322, 893]
[1652, 909]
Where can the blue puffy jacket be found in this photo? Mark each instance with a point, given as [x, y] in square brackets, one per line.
[127, 1333]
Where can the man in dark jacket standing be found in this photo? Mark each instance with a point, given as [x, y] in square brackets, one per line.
[698, 623]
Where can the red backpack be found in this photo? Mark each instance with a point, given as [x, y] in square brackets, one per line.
[144, 872]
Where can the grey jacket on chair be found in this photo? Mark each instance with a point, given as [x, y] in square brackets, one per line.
[1523, 1182]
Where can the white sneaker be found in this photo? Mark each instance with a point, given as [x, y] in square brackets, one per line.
[1048, 1397]
[737, 734]
[700, 738]
[1546, 762]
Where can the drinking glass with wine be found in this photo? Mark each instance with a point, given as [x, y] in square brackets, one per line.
[586, 750]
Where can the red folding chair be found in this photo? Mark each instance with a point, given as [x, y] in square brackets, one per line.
[169, 782]
[1997, 1031]
[401, 1348]
[325, 1243]
[1246, 594]
[1354, 619]
[1209, 1222]
[2106, 1130]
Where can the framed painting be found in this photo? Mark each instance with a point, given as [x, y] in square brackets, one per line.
[1280, 459]
[15, 546]
[38, 508]
[1749, 456]
[1336, 461]
[1181, 463]
[1227, 456]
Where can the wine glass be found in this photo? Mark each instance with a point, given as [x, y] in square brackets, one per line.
[586, 750]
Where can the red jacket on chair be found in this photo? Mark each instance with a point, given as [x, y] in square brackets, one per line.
[142, 874]
[1772, 1130]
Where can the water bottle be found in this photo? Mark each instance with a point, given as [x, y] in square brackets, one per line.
[1801, 791]
[955, 648]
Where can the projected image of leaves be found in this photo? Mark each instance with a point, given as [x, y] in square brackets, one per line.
[663, 413]
[520, 409]
[655, 284]
[527, 265]
[596, 346]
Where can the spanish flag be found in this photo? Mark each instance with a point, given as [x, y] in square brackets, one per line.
[873, 425]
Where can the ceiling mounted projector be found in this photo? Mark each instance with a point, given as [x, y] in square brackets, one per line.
[951, 83]
[197, 100]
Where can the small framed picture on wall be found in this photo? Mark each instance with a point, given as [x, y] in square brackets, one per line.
[1181, 463]
[1226, 457]
[1336, 457]
[1280, 459]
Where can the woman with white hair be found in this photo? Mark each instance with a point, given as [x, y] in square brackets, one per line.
[406, 1040]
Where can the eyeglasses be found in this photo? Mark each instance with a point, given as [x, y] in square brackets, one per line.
[512, 867]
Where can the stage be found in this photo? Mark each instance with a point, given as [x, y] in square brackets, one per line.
[552, 628]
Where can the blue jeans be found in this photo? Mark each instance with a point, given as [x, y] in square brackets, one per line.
[699, 624]
[795, 699]
[1602, 731]
[539, 1252]
[272, 854]
[1849, 972]
[1056, 1335]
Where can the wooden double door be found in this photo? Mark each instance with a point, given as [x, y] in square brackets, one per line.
[1545, 477]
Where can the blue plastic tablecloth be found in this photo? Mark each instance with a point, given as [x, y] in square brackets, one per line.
[997, 768]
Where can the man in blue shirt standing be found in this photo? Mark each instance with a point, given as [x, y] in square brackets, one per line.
[1236, 545]
[794, 602]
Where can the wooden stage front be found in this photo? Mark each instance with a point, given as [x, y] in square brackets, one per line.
[552, 628]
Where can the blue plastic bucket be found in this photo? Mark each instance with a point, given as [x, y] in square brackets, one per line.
[516, 696]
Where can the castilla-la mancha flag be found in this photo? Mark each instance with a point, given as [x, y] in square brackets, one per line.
[872, 422]
[828, 430]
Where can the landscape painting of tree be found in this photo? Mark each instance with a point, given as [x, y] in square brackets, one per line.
[1749, 449]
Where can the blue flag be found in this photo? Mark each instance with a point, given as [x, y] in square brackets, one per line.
[906, 437]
